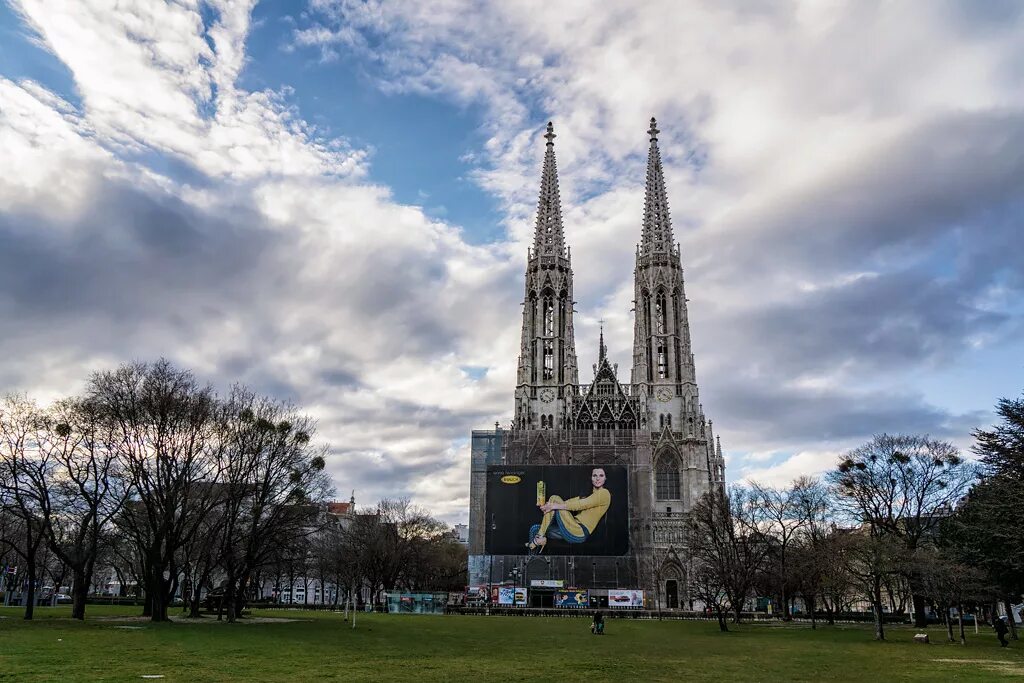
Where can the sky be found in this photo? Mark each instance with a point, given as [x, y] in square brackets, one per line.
[331, 202]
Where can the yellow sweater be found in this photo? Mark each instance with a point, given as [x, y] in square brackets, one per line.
[591, 509]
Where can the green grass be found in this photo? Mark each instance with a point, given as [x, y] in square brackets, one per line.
[427, 648]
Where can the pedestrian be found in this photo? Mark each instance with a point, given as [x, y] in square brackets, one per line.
[597, 626]
[1001, 629]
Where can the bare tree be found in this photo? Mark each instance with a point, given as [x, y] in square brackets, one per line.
[870, 557]
[727, 548]
[902, 486]
[273, 486]
[951, 584]
[781, 514]
[85, 492]
[25, 474]
[163, 431]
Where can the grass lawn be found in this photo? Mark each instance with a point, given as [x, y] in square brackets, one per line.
[112, 646]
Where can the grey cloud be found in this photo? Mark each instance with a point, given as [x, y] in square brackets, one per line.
[780, 416]
[954, 171]
[876, 323]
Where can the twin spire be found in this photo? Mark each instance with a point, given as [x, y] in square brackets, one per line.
[656, 236]
[549, 238]
[657, 231]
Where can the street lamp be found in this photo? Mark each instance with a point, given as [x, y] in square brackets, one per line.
[490, 564]
[514, 573]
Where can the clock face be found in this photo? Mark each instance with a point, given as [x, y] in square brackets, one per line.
[547, 395]
[664, 395]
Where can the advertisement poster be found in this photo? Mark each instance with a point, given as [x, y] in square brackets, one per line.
[562, 509]
[572, 599]
[505, 595]
[625, 598]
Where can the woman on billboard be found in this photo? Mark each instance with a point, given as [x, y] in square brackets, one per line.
[569, 527]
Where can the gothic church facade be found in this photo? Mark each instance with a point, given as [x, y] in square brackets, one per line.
[655, 425]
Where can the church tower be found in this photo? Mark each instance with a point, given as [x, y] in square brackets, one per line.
[547, 376]
[663, 371]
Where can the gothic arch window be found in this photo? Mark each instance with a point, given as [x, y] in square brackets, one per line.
[562, 296]
[533, 312]
[646, 305]
[549, 359]
[659, 313]
[533, 362]
[666, 478]
[549, 315]
[662, 360]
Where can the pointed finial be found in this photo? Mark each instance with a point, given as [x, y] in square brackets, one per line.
[601, 348]
[550, 135]
[653, 131]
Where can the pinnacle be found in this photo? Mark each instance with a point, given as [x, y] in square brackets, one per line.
[657, 228]
[549, 238]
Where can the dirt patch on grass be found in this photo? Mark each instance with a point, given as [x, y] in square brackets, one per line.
[205, 620]
[999, 666]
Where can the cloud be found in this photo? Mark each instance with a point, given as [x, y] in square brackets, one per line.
[845, 182]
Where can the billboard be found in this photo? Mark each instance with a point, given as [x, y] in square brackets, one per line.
[558, 509]
[505, 595]
[625, 598]
[572, 599]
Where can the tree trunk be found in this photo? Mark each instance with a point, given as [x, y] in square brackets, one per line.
[736, 613]
[159, 598]
[960, 619]
[30, 604]
[948, 621]
[811, 605]
[229, 598]
[722, 625]
[79, 592]
[920, 618]
[195, 602]
[876, 605]
[1008, 604]
[787, 613]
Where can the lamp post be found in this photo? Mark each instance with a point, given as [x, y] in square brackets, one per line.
[490, 565]
[526, 580]
[515, 579]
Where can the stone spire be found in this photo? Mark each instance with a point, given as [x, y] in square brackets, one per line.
[602, 350]
[549, 238]
[657, 230]
[548, 374]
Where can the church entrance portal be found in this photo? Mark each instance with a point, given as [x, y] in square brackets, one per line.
[672, 594]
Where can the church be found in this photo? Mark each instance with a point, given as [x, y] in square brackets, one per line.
[650, 437]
